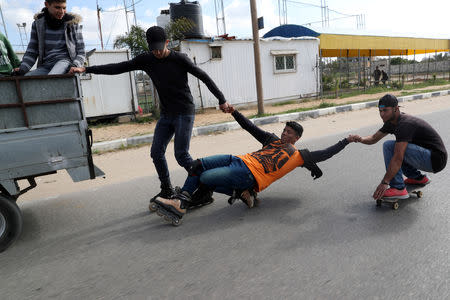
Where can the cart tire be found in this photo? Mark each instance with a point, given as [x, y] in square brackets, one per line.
[10, 222]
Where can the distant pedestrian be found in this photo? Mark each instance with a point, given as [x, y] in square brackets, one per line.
[384, 77]
[376, 75]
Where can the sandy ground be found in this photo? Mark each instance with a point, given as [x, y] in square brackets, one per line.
[214, 116]
[122, 166]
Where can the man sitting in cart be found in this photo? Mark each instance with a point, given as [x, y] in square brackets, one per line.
[243, 176]
[417, 147]
[56, 41]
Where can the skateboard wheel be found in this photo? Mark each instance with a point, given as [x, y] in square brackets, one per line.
[379, 202]
[395, 206]
[419, 194]
[152, 207]
[176, 222]
[159, 213]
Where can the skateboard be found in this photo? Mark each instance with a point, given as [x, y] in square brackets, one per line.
[412, 189]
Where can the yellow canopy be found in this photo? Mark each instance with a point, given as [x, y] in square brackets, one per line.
[340, 45]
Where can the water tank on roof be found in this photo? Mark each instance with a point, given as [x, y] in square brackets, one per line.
[191, 11]
[163, 19]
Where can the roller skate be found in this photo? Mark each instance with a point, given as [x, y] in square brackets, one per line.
[172, 210]
[166, 192]
[249, 197]
[201, 197]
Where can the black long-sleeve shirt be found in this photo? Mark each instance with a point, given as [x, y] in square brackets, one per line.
[266, 138]
[169, 75]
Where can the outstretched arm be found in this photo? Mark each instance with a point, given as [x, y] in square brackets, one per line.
[109, 69]
[371, 139]
[262, 136]
[321, 155]
[311, 158]
[204, 77]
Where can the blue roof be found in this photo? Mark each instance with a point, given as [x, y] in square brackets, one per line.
[290, 31]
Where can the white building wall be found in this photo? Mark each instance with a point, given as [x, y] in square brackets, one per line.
[105, 95]
[235, 76]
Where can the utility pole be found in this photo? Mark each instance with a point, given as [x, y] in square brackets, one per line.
[23, 35]
[220, 17]
[100, 25]
[259, 88]
[3, 21]
[126, 14]
[134, 14]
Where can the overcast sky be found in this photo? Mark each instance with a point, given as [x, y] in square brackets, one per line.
[383, 17]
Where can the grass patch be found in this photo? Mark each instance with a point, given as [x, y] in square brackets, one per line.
[261, 115]
[144, 119]
[285, 103]
[427, 83]
[121, 148]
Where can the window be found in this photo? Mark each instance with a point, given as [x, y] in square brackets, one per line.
[216, 52]
[284, 61]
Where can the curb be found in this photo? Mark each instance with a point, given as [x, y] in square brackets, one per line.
[205, 130]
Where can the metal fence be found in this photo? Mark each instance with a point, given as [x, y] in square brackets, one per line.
[357, 73]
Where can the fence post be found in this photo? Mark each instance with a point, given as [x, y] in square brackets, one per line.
[359, 69]
[414, 67]
[339, 59]
[348, 70]
[321, 74]
[389, 68]
[435, 64]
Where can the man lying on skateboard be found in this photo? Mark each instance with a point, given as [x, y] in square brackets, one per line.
[244, 175]
[417, 147]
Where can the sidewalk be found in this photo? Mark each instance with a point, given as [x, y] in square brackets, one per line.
[227, 126]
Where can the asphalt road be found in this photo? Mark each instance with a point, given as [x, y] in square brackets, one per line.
[322, 239]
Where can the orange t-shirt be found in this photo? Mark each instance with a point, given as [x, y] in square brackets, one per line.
[272, 162]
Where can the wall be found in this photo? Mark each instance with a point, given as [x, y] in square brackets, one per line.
[235, 76]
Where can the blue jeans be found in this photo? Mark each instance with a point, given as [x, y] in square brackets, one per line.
[168, 126]
[60, 67]
[224, 173]
[416, 158]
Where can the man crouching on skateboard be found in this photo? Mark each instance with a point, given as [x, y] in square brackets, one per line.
[417, 147]
[243, 175]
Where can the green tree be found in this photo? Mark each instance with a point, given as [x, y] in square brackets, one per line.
[135, 40]
[177, 29]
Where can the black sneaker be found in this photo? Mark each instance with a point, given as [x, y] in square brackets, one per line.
[201, 197]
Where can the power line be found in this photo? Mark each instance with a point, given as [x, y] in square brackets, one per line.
[122, 8]
[325, 11]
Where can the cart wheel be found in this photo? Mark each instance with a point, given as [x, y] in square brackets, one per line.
[419, 194]
[395, 205]
[379, 202]
[10, 221]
